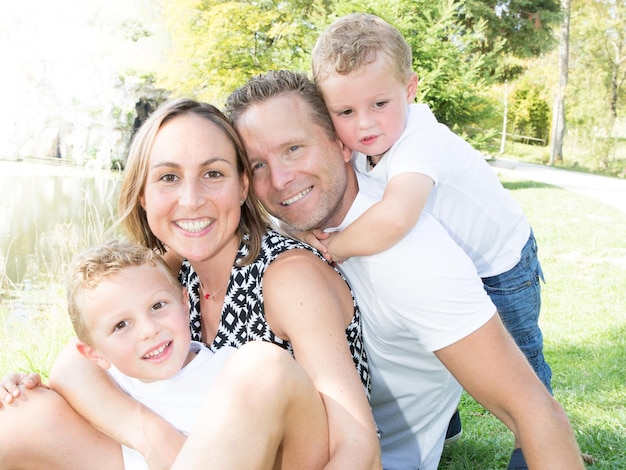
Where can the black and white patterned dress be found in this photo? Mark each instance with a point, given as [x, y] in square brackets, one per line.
[243, 314]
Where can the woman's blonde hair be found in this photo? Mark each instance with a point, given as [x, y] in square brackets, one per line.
[132, 216]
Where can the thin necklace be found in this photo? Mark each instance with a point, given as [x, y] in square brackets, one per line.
[370, 161]
[208, 296]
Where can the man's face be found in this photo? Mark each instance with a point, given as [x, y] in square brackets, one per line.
[299, 172]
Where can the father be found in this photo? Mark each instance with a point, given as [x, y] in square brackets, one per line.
[427, 320]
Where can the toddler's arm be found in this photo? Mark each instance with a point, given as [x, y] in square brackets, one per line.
[386, 222]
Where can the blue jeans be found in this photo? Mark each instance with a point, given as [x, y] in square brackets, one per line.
[517, 296]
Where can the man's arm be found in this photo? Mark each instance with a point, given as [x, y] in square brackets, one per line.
[491, 368]
[307, 302]
[95, 396]
[386, 222]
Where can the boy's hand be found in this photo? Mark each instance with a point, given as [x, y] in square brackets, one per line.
[314, 238]
[11, 384]
[327, 241]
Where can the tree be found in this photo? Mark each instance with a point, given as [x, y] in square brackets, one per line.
[598, 53]
[558, 112]
[217, 45]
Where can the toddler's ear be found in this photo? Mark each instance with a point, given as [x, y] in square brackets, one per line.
[91, 354]
[411, 88]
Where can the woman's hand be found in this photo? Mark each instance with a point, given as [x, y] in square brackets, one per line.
[11, 384]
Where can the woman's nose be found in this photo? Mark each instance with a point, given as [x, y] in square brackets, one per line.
[192, 194]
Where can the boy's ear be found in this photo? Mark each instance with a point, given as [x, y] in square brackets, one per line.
[91, 354]
[411, 88]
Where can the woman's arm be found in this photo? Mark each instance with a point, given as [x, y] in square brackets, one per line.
[95, 396]
[386, 222]
[492, 369]
[307, 302]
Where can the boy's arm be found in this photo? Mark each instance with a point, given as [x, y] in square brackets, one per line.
[94, 395]
[387, 221]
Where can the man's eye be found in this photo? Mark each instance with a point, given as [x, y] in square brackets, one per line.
[258, 166]
[293, 148]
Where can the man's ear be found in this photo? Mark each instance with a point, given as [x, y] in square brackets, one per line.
[345, 151]
[91, 354]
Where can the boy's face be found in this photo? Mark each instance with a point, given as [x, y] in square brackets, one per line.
[368, 106]
[139, 322]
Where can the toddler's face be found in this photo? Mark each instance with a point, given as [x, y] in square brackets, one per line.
[368, 106]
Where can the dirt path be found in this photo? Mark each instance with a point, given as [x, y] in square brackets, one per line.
[608, 190]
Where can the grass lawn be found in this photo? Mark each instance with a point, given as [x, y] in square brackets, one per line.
[583, 253]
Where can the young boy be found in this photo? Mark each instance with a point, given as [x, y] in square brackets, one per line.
[131, 317]
[363, 68]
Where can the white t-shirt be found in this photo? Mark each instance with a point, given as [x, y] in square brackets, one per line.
[177, 399]
[421, 295]
[467, 198]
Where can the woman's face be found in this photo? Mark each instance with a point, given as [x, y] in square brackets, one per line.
[193, 192]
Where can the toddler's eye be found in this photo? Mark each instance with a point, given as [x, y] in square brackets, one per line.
[120, 325]
[380, 104]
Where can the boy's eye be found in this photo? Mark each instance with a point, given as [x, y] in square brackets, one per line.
[159, 305]
[120, 325]
[380, 104]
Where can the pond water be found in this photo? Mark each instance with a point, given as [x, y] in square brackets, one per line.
[46, 213]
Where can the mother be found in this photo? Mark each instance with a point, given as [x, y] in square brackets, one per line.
[186, 194]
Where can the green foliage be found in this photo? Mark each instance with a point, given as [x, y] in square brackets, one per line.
[217, 45]
[530, 113]
[220, 44]
[524, 26]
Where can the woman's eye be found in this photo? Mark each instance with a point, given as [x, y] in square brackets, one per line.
[213, 174]
[120, 325]
[168, 178]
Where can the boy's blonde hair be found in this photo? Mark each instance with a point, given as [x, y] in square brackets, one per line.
[359, 39]
[94, 265]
